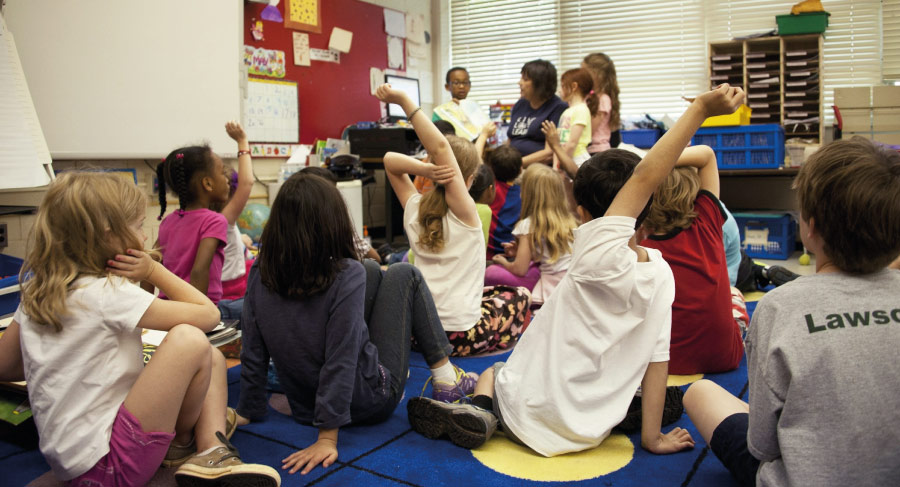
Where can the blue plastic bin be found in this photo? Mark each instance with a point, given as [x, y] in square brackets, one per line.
[744, 147]
[777, 230]
[9, 292]
[643, 138]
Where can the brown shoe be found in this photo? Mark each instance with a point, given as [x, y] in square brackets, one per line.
[177, 454]
[223, 467]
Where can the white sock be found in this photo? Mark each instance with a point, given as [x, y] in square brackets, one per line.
[206, 452]
[445, 373]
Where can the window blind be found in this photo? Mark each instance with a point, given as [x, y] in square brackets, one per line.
[890, 21]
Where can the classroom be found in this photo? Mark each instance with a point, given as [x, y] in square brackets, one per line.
[673, 225]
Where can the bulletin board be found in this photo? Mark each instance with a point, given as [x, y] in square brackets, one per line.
[271, 111]
[332, 95]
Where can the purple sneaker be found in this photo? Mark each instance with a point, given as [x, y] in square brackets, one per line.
[461, 389]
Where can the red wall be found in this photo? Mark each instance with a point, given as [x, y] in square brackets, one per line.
[331, 96]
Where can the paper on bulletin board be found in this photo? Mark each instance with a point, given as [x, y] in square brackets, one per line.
[340, 40]
[394, 23]
[271, 111]
[301, 49]
[415, 28]
[264, 62]
[395, 52]
[426, 82]
[326, 55]
[414, 49]
[376, 79]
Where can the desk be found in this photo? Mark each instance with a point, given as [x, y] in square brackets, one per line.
[393, 210]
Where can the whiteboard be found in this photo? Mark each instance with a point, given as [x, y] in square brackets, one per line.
[271, 112]
[126, 79]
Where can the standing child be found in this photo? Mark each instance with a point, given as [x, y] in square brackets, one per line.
[685, 222]
[338, 332]
[543, 235]
[812, 418]
[104, 418]
[445, 233]
[574, 134]
[192, 239]
[605, 331]
[605, 123]
[234, 267]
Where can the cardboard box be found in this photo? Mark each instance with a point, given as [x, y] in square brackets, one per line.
[886, 119]
[857, 119]
[885, 96]
[853, 97]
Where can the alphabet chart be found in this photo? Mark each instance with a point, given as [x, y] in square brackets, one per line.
[271, 111]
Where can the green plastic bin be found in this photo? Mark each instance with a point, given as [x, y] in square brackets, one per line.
[808, 23]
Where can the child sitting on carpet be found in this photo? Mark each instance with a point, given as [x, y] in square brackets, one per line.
[685, 222]
[543, 235]
[605, 331]
[192, 239]
[337, 329]
[102, 416]
[506, 162]
[822, 351]
[483, 192]
[445, 233]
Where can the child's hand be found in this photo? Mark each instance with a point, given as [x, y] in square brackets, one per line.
[674, 441]
[489, 129]
[389, 95]
[550, 133]
[440, 174]
[510, 249]
[499, 259]
[723, 100]
[323, 451]
[137, 265]
[235, 131]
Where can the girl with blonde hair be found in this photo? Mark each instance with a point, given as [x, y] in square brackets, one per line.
[106, 419]
[446, 236]
[544, 234]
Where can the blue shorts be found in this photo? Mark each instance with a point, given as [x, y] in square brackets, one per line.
[729, 444]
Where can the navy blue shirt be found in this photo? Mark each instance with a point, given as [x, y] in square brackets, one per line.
[320, 345]
[525, 123]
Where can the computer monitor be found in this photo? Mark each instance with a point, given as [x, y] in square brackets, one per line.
[410, 86]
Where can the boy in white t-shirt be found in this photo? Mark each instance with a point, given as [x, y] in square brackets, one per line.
[605, 331]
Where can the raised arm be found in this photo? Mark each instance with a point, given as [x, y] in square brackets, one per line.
[487, 130]
[658, 163]
[398, 167]
[458, 199]
[704, 159]
[235, 206]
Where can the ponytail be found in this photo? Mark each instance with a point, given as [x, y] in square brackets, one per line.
[432, 210]
[161, 181]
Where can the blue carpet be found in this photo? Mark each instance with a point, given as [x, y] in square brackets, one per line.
[390, 453]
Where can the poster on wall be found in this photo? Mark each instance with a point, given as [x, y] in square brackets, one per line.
[303, 15]
[271, 111]
[301, 49]
[264, 62]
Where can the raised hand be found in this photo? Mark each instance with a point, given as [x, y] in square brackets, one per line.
[550, 133]
[235, 131]
[723, 100]
[440, 174]
[388, 94]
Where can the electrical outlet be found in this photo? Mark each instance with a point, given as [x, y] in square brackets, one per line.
[4, 237]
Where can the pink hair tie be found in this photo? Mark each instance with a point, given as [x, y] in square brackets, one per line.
[591, 93]
[179, 156]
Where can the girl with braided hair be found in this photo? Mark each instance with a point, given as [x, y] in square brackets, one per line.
[192, 239]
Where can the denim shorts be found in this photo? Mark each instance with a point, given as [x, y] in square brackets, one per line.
[729, 444]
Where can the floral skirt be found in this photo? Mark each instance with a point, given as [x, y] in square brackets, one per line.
[505, 313]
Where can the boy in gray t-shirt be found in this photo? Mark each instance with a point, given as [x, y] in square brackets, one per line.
[821, 350]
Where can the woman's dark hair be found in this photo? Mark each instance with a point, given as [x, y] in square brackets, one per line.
[600, 179]
[445, 127]
[307, 236]
[484, 178]
[506, 162]
[321, 172]
[543, 78]
[178, 170]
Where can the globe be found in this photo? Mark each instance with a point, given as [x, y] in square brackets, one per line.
[253, 219]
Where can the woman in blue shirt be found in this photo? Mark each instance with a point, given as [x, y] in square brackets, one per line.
[538, 103]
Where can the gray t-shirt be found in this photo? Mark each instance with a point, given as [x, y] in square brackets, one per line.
[825, 381]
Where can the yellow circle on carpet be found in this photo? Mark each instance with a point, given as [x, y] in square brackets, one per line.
[503, 456]
[680, 380]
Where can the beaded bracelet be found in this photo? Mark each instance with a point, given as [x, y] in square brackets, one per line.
[242, 152]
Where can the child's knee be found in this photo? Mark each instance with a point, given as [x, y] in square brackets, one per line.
[218, 359]
[695, 394]
[190, 341]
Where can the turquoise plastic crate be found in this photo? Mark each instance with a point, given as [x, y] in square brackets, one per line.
[9, 285]
[767, 235]
[744, 147]
[643, 138]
